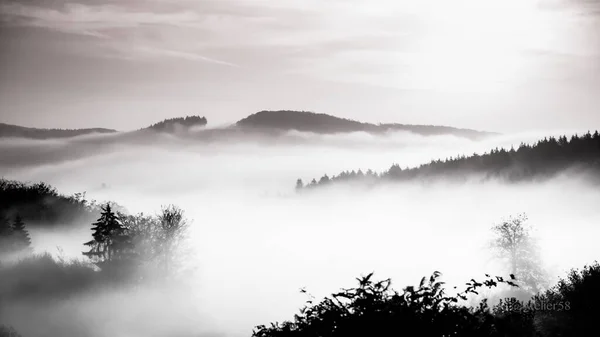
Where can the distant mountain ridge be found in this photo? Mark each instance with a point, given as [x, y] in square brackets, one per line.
[322, 123]
[9, 130]
[261, 123]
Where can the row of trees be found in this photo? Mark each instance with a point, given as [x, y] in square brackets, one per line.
[124, 243]
[169, 124]
[543, 159]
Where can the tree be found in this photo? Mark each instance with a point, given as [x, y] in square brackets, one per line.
[109, 238]
[20, 235]
[159, 241]
[299, 185]
[174, 227]
[514, 243]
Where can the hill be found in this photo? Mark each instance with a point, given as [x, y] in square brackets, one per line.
[542, 160]
[9, 130]
[172, 124]
[322, 123]
[263, 123]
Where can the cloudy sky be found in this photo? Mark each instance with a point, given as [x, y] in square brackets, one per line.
[499, 65]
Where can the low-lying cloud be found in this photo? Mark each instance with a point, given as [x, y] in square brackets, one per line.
[257, 242]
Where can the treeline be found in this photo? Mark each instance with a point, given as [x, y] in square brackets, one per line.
[41, 204]
[169, 124]
[542, 160]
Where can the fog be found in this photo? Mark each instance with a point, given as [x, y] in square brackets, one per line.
[256, 242]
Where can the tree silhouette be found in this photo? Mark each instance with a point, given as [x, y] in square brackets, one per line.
[299, 184]
[109, 238]
[174, 226]
[514, 243]
[20, 235]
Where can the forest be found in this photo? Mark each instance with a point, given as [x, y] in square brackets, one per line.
[540, 161]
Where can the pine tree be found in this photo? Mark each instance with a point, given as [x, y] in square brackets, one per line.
[108, 237]
[20, 235]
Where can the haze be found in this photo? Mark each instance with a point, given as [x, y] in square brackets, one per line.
[256, 242]
[526, 69]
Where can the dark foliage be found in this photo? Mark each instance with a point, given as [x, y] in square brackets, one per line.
[111, 247]
[14, 238]
[323, 123]
[41, 204]
[168, 125]
[571, 307]
[8, 130]
[543, 160]
[375, 309]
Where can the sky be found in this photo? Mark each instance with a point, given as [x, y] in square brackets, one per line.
[505, 66]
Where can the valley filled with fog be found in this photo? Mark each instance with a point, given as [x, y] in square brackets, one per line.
[255, 241]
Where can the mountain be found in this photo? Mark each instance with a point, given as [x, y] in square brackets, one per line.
[286, 120]
[9, 130]
[545, 159]
[263, 123]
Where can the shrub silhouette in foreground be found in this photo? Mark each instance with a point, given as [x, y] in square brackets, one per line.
[374, 309]
[570, 308]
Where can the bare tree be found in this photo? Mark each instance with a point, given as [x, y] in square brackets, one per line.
[174, 228]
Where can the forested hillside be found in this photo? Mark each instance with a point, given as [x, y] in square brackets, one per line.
[542, 160]
[322, 123]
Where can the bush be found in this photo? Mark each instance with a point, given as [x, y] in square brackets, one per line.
[374, 309]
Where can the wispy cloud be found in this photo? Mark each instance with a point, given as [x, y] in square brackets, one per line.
[75, 18]
[145, 52]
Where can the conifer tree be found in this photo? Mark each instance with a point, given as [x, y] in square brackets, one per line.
[109, 237]
[20, 235]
